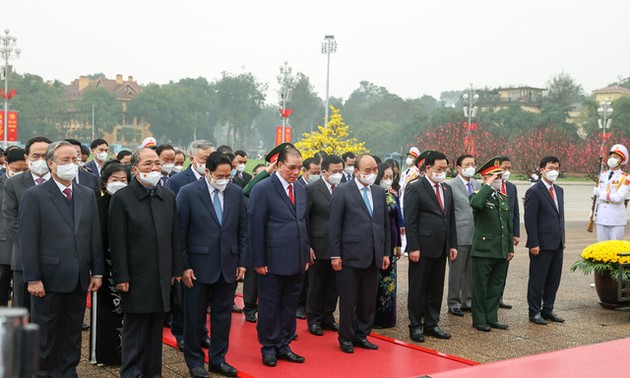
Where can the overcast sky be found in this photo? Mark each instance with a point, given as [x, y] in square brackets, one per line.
[410, 47]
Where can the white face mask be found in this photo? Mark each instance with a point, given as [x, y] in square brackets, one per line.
[409, 161]
[178, 168]
[335, 178]
[313, 178]
[38, 167]
[218, 184]
[81, 163]
[201, 168]
[386, 184]
[240, 167]
[496, 184]
[368, 179]
[349, 169]
[168, 168]
[10, 173]
[68, 171]
[506, 175]
[115, 186]
[101, 156]
[552, 175]
[468, 172]
[438, 177]
[612, 162]
[151, 178]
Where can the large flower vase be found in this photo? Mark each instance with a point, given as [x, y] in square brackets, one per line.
[606, 288]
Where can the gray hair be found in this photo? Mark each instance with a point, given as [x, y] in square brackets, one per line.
[135, 156]
[52, 149]
[197, 145]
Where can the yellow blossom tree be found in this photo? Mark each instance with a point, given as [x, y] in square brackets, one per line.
[333, 139]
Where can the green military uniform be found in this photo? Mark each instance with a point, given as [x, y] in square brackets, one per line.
[492, 241]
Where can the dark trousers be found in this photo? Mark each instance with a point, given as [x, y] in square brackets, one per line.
[545, 271]
[304, 292]
[250, 291]
[357, 301]
[489, 281]
[5, 284]
[219, 296]
[277, 302]
[177, 318]
[426, 288]
[59, 316]
[21, 297]
[142, 345]
[322, 293]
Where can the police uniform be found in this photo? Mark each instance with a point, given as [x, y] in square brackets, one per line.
[411, 174]
[492, 242]
[611, 194]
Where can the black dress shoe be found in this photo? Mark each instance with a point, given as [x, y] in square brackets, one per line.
[437, 333]
[346, 347]
[504, 305]
[224, 369]
[364, 343]
[235, 308]
[331, 327]
[466, 309]
[482, 327]
[206, 343]
[498, 325]
[291, 357]
[316, 329]
[300, 313]
[199, 372]
[250, 317]
[294, 337]
[552, 317]
[269, 360]
[537, 319]
[180, 345]
[415, 334]
[456, 312]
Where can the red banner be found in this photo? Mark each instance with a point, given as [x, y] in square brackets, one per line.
[12, 126]
[287, 134]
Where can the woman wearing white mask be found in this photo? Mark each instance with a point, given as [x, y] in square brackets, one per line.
[106, 313]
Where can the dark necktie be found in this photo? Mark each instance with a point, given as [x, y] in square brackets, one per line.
[291, 197]
[68, 193]
[40, 180]
[332, 188]
[610, 175]
[439, 197]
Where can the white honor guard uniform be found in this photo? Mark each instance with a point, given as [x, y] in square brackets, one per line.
[611, 192]
[408, 175]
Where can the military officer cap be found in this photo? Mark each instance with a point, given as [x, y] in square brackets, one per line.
[272, 156]
[422, 157]
[413, 151]
[492, 166]
[620, 150]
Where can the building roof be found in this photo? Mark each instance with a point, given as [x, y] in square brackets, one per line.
[125, 90]
[612, 89]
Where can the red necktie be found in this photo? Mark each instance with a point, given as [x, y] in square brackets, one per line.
[291, 197]
[332, 188]
[68, 193]
[503, 191]
[439, 197]
[553, 198]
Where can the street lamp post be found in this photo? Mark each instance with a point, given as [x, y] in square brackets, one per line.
[329, 46]
[470, 111]
[287, 82]
[8, 50]
[605, 110]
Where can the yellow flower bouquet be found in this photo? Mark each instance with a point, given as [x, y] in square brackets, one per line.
[603, 258]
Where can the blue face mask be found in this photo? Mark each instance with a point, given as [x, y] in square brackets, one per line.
[233, 173]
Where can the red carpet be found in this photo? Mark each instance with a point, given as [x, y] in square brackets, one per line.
[599, 360]
[324, 359]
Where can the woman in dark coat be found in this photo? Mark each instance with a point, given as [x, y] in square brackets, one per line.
[106, 312]
[386, 297]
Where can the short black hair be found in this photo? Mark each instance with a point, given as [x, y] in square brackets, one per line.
[309, 161]
[381, 172]
[320, 156]
[240, 153]
[180, 152]
[15, 153]
[33, 140]
[433, 156]
[548, 159]
[122, 154]
[331, 159]
[74, 142]
[85, 150]
[377, 159]
[109, 168]
[460, 159]
[503, 158]
[97, 142]
[348, 155]
[164, 147]
[285, 152]
[230, 156]
[259, 165]
[215, 159]
[224, 149]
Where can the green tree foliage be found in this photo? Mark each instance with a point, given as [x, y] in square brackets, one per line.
[108, 111]
[564, 90]
[308, 108]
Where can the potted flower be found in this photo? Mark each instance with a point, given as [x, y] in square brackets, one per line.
[602, 259]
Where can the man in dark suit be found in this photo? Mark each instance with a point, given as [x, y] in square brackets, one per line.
[166, 153]
[99, 148]
[349, 159]
[16, 165]
[213, 230]
[322, 287]
[544, 222]
[359, 247]
[311, 171]
[280, 253]
[431, 237]
[511, 192]
[14, 188]
[62, 251]
[146, 261]
[84, 177]
[240, 161]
